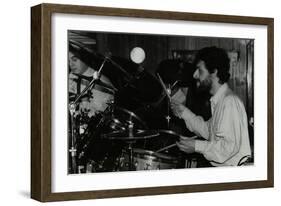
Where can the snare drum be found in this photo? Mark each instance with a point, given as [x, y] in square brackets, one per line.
[148, 160]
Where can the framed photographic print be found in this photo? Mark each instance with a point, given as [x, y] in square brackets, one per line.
[130, 102]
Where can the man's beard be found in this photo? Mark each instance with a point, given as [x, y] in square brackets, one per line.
[205, 85]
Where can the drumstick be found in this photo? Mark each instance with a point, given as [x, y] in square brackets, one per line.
[167, 147]
[163, 85]
[172, 145]
[190, 138]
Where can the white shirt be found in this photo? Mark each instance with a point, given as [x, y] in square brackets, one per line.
[226, 131]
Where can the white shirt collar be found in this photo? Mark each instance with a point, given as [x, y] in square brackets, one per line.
[219, 94]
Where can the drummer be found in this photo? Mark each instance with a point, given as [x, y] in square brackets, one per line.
[226, 132]
[177, 76]
[81, 63]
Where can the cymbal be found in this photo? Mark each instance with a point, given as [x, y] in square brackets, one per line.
[99, 84]
[138, 135]
[122, 117]
[132, 117]
[169, 132]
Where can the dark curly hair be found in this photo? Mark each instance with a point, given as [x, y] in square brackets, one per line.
[215, 59]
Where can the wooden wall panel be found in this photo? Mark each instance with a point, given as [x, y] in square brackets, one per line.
[158, 48]
[238, 70]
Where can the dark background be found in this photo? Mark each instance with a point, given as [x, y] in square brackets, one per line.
[161, 47]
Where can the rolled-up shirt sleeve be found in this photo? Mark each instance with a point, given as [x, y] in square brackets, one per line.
[195, 123]
[227, 133]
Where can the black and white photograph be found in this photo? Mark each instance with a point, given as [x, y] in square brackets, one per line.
[134, 102]
[158, 102]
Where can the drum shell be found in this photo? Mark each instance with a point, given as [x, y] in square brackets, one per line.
[147, 160]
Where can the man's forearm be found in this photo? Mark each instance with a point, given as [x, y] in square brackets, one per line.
[195, 123]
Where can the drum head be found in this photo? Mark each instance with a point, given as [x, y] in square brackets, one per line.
[150, 155]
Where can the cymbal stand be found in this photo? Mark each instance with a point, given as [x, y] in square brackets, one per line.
[168, 92]
[130, 148]
[168, 117]
[72, 149]
[72, 107]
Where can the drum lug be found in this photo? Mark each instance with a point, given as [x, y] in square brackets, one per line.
[148, 166]
[159, 167]
[136, 164]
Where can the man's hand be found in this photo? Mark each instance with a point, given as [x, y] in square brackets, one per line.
[177, 108]
[186, 145]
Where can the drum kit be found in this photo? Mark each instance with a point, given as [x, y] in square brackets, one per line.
[120, 140]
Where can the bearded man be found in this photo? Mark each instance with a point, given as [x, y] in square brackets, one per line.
[226, 132]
